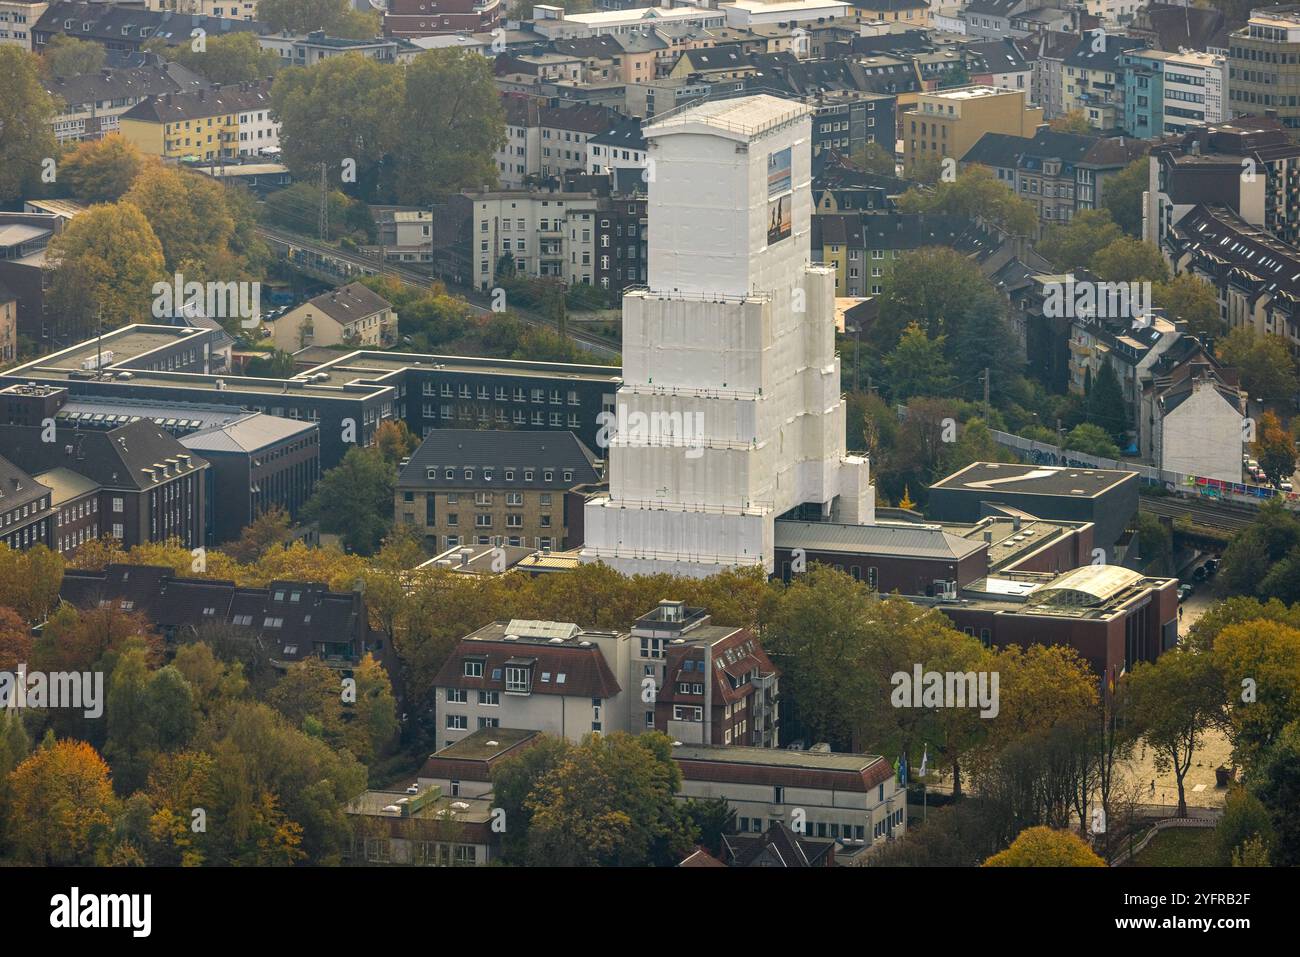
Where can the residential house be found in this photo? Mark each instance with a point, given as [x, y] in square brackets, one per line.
[946, 124]
[90, 104]
[1172, 92]
[862, 246]
[425, 18]
[1193, 414]
[351, 315]
[1094, 78]
[17, 17]
[26, 508]
[221, 123]
[125, 28]
[539, 233]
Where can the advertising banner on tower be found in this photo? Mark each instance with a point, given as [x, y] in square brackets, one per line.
[779, 198]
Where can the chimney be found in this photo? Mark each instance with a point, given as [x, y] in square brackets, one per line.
[1015, 522]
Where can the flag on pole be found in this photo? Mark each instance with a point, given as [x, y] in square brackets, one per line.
[900, 768]
[925, 762]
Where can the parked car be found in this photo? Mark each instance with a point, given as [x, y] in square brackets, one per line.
[1285, 485]
[1184, 592]
[1211, 566]
[1199, 575]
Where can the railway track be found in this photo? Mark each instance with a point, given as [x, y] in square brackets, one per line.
[368, 267]
[1226, 517]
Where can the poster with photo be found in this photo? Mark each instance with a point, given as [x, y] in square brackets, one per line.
[778, 218]
[779, 197]
[778, 172]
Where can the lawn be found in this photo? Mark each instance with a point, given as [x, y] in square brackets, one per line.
[1180, 847]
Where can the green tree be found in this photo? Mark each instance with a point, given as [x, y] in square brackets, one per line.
[1173, 702]
[1277, 785]
[513, 780]
[342, 108]
[132, 740]
[110, 254]
[1073, 245]
[336, 17]
[355, 499]
[1092, 440]
[1075, 121]
[1188, 298]
[917, 365]
[1155, 543]
[1263, 558]
[1259, 662]
[713, 818]
[1267, 369]
[1122, 195]
[100, 171]
[448, 142]
[26, 112]
[874, 158]
[232, 58]
[1104, 405]
[1244, 817]
[66, 56]
[975, 193]
[1129, 260]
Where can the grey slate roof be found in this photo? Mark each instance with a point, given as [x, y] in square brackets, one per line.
[114, 458]
[499, 449]
[252, 433]
[17, 487]
[350, 303]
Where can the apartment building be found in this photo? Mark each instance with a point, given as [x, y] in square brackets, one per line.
[946, 124]
[1250, 165]
[224, 9]
[1172, 92]
[542, 234]
[221, 123]
[304, 49]
[852, 797]
[1094, 78]
[912, 13]
[427, 18]
[152, 488]
[487, 487]
[545, 141]
[672, 671]
[26, 508]
[1192, 414]
[1264, 65]
[352, 315]
[863, 246]
[91, 104]
[126, 28]
[17, 17]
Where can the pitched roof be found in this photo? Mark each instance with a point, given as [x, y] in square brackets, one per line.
[700, 858]
[540, 451]
[570, 668]
[778, 846]
[109, 22]
[121, 458]
[174, 107]
[17, 487]
[349, 303]
[902, 540]
[154, 78]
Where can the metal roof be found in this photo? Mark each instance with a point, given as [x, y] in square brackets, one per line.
[1090, 585]
[905, 540]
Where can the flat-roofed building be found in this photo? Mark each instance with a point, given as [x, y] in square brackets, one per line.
[947, 123]
[464, 768]
[853, 797]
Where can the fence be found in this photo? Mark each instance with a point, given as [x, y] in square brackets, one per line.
[1156, 828]
[1181, 483]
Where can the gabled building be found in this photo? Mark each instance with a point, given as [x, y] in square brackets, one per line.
[1192, 415]
[127, 27]
[861, 246]
[490, 487]
[26, 509]
[351, 315]
[220, 123]
[90, 104]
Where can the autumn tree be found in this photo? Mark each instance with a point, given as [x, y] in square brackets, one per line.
[61, 804]
[1045, 847]
[1073, 121]
[513, 781]
[189, 216]
[26, 111]
[105, 262]
[395, 441]
[268, 530]
[610, 801]
[1073, 245]
[1173, 703]
[1274, 448]
[29, 581]
[1276, 783]
[448, 142]
[178, 788]
[1260, 666]
[100, 171]
[975, 193]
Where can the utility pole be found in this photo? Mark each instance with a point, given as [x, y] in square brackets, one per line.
[324, 218]
[986, 395]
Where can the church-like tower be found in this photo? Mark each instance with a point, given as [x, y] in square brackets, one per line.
[730, 412]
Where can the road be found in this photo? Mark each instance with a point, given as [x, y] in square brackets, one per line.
[409, 277]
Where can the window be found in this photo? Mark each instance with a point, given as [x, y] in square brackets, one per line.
[457, 722]
[489, 723]
[517, 678]
[458, 696]
[778, 794]
[489, 697]
[473, 669]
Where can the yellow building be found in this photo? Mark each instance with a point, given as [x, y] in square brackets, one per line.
[914, 13]
[945, 124]
[186, 126]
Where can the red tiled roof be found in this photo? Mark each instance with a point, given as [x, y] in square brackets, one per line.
[585, 672]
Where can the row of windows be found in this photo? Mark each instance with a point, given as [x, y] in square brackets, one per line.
[519, 394]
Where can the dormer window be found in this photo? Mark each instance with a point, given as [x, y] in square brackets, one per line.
[474, 668]
[518, 678]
